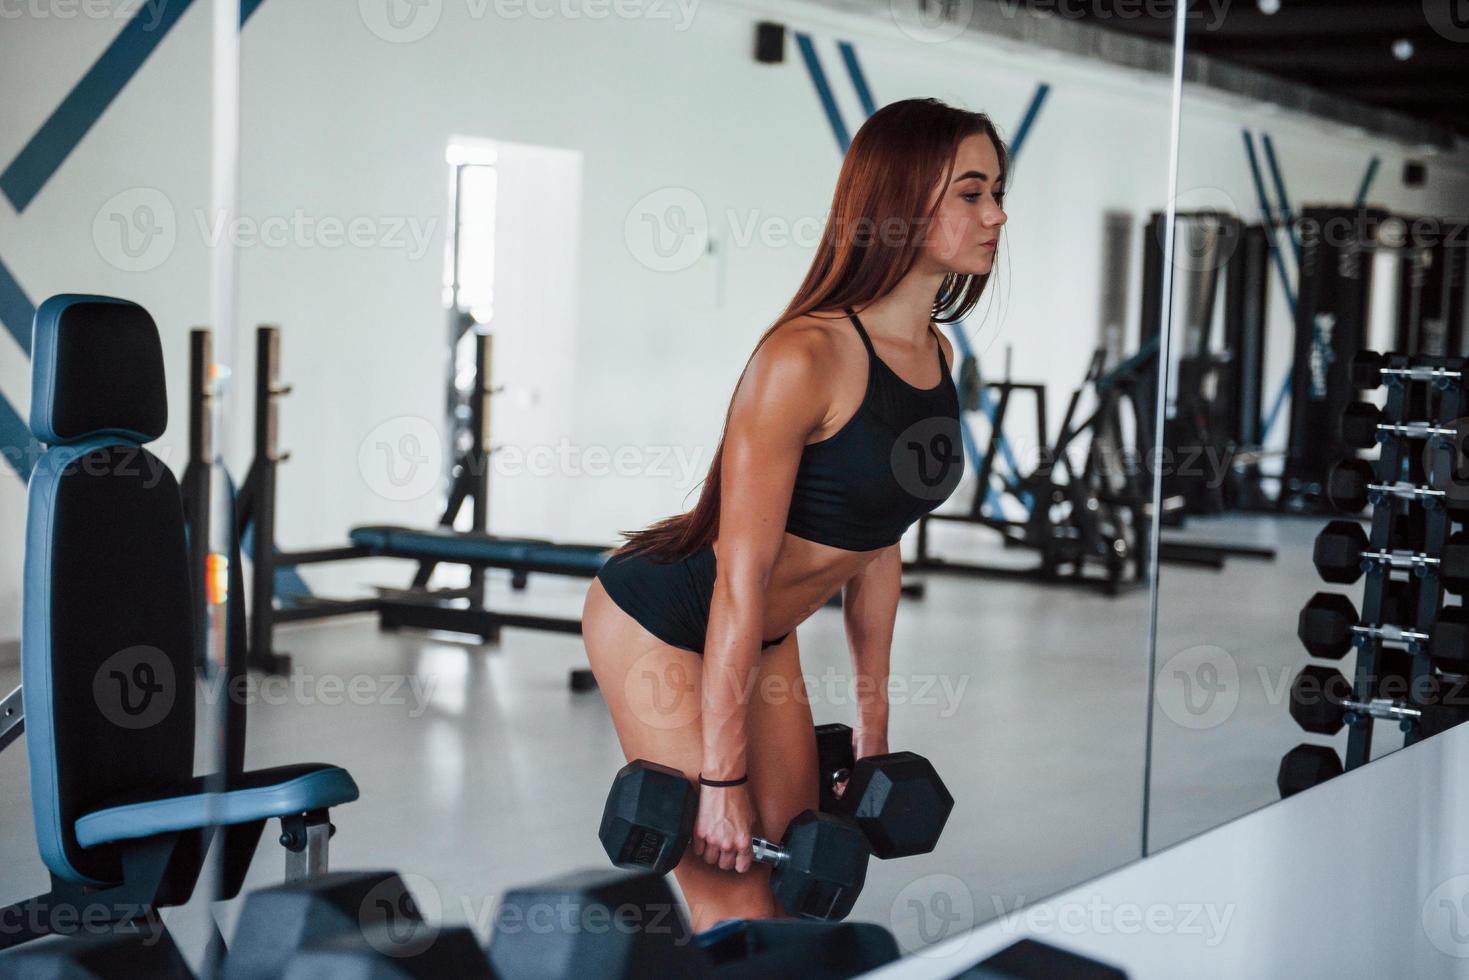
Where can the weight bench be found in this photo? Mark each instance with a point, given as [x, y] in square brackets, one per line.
[108, 650]
[520, 556]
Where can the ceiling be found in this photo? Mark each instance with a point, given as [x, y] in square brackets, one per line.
[1344, 47]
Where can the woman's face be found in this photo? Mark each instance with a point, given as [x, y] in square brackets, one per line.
[966, 232]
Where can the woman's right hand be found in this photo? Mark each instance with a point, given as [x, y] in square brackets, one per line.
[724, 827]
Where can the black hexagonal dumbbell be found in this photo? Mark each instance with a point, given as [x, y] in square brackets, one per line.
[897, 799]
[1352, 484]
[834, 761]
[1328, 626]
[1305, 766]
[1318, 698]
[594, 922]
[1362, 426]
[1342, 553]
[1321, 701]
[817, 869]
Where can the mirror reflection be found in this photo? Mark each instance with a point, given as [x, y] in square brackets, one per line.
[1312, 411]
[704, 441]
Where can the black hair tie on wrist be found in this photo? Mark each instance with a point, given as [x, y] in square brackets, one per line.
[723, 783]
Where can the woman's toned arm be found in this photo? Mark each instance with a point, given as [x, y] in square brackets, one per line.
[869, 607]
[782, 400]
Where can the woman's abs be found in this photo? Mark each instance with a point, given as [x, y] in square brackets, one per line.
[671, 600]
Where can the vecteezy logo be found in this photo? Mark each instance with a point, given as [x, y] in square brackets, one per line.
[1446, 917]
[400, 21]
[135, 230]
[930, 910]
[932, 23]
[1198, 688]
[661, 690]
[1449, 18]
[928, 458]
[401, 458]
[1205, 234]
[667, 230]
[399, 921]
[135, 688]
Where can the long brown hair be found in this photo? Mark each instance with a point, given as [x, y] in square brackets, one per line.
[901, 152]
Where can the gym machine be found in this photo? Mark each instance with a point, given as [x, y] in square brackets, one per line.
[461, 610]
[1332, 321]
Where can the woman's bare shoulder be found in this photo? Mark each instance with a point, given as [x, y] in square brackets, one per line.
[813, 338]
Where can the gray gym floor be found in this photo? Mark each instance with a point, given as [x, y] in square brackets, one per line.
[479, 769]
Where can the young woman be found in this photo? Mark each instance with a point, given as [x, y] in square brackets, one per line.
[842, 431]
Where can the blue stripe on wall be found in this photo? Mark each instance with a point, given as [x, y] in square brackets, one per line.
[16, 309]
[859, 80]
[1366, 184]
[40, 158]
[823, 90]
[16, 443]
[1028, 120]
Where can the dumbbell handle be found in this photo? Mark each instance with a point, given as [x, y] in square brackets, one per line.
[768, 853]
[1391, 633]
[1406, 491]
[1383, 708]
[1415, 430]
[1401, 559]
[1423, 373]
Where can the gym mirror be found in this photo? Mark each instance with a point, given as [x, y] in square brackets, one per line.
[1321, 212]
[489, 283]
[496, 296]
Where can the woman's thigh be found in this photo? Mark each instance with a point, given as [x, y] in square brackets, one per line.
[653, 691]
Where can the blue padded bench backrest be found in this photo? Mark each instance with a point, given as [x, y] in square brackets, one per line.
[107, 644]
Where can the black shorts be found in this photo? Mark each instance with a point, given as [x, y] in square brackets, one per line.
[668, 599]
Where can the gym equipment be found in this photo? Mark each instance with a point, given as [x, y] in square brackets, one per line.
[1331, 314]
[1362, 427]
[142, 951]
[1400, 611]
[1369, 369]
[1213, 407]
[604, 924]
[122, 821]
[594, 924]
[1029, 959]
[1329, 626]
[795, 948]
[1342, 553]
[1352, 485]
[346, 924]
[12, 718]
[1090, 523]
[1321, 702]
[1074, 533]
[462, 610]
[897, 800]
[1305, 766]
[817, 869]
[375, 953]
[834, 761]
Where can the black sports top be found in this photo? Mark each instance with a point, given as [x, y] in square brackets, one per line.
[898, 457]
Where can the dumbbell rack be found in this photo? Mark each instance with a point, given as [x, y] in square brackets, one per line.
[1406, 525]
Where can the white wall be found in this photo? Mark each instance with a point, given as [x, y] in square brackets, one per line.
[346, 119]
